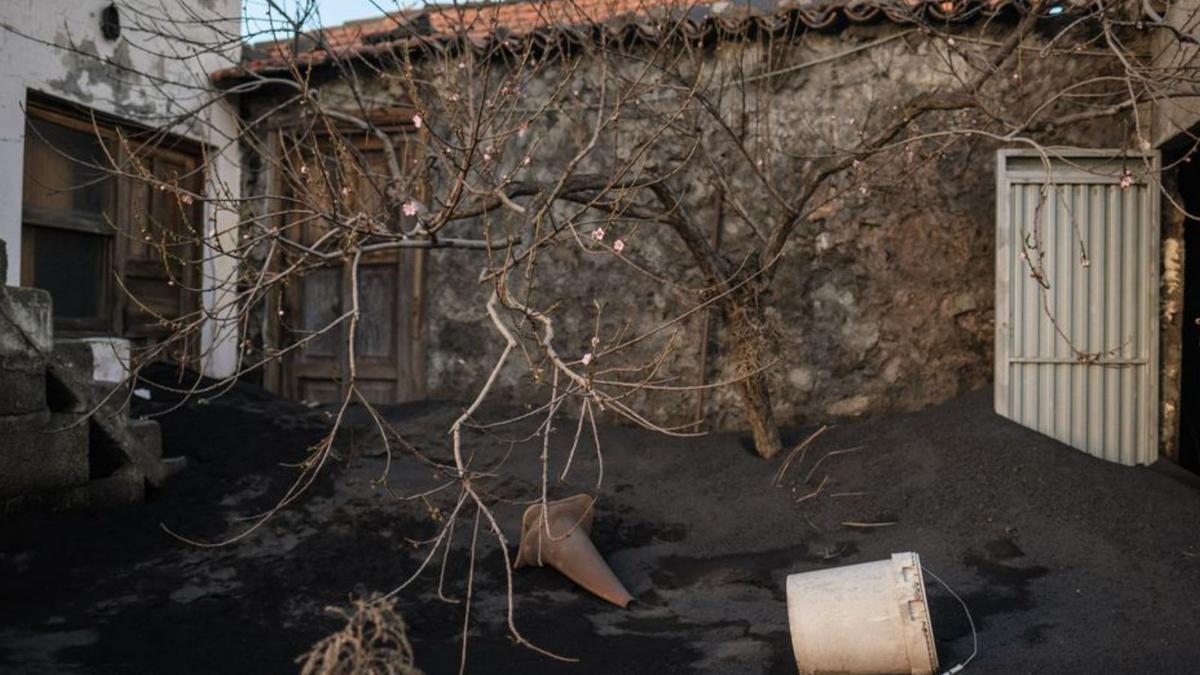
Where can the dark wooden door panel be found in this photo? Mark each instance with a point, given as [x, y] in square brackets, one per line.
[320, 306]
[159, 257]
[376, 338]
[387, 350]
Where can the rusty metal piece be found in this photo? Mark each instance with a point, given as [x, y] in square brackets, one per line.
[568, 548]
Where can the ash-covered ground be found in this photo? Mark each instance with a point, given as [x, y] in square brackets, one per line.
[1068, 564]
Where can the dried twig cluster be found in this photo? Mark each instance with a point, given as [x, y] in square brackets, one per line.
[374, 641]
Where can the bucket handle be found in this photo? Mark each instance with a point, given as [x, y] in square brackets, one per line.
[970, 621]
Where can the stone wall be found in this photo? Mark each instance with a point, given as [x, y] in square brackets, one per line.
[884, 300]
[884, 296]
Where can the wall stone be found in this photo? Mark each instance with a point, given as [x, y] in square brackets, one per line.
[883, 300]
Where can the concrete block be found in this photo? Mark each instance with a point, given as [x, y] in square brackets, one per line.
[22, 383]
[49, 501]
[98, 370]
[148, 433]
[173, 466]
[38, 459]
[76, 356]
[34, 420]
[28, 318]
[126, 486]
[111, 439]
[107, 454]
[103, 360]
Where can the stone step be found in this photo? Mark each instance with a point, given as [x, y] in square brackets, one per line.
[27, 325]
[46, 456]
[173, 466]
[148, 433]
[126, 486]
[99, 364]
[22, 383]
[112, 443]
[25, 328]
[33, 420]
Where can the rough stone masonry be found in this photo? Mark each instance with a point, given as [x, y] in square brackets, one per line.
[883, 301]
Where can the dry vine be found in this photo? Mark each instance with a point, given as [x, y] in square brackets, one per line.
[374, 641]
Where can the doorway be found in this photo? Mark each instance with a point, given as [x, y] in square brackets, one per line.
[388, 348]
[1077, 345]
[1189, 394]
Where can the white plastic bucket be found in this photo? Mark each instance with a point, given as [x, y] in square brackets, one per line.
[868, 618]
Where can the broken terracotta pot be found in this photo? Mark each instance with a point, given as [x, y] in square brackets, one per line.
[567, 548]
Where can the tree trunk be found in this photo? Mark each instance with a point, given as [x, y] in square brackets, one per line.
[751, 346]
[756, 402]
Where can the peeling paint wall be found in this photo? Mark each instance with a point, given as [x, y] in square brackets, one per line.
[55, 47]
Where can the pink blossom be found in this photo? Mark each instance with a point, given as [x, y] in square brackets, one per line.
[1126, 179]
[598, 234]
[418, 121]
[587, 358]
[410, 208]
[619, 245]
[522, 130]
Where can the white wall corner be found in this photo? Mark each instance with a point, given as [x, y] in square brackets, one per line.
[220, 333]
[12, 158]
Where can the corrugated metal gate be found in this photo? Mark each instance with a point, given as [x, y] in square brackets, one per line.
[1077, 251]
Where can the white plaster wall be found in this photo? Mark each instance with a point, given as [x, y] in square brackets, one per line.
[154, 72]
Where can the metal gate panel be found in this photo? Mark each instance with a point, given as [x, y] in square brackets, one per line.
[1077, 268]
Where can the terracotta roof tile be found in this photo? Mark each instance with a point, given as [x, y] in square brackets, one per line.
[440, 25]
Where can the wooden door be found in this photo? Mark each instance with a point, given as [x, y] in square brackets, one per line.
[1077, 251]
[388, 354]
[159, 256]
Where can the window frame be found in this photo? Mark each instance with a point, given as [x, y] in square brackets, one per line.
[34, 218]
[117, 219]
